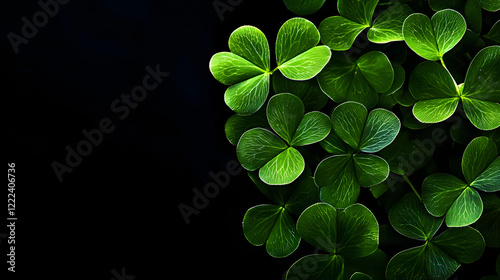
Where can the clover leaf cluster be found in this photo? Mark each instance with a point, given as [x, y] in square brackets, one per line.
[335, 133]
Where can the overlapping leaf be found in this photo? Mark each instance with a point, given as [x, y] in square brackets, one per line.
[340, 176]
[339, 32]
[440, 256]
[347, 236]
[272, 224]
[347, 79]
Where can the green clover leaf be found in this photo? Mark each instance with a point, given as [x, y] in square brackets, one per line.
[340, 176]
[432, 38]
[272, 224]
[279, 162]
[346, 79]
[339, 32]
[444, 194]
[440, 256]
[438, 95]
[350, 237]
[246, 68]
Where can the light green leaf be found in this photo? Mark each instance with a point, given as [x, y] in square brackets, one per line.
[381, 128]
[478, 155]
[257, 147]
[466, 209]
[432, 38]
[370, 170]
[377, 70]
[387, 27]
[489, 223]
[251, 44]
[435, 110]
[247, 97]
[229, 68]
[484, 115]
[314, 127]
[483, 76]
[272, 225]
[339, 33]
[308, 91]
[439, 191]
[348, 121]
[317, 267]
[360, 11]
[409, 218]
[295, 36]
[341, 80]
[283, 169]
[465, 244]
[284, 114]
[336, 178]
[304, 8]
[307, 64]
[430, 80]
[490, 5]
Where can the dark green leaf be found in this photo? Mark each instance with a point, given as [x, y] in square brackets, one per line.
[257, 147]
[409, 218]
[236, 125]
[348, 120]
[304, 8]
[489, 223]
[408, 264]
[490, 5]
[465, 244]
[284, 114]
[317, 267]
[314, 127]
[308, 91]
[494, 33]
[381, 128]
[478, 155]
[370, 170]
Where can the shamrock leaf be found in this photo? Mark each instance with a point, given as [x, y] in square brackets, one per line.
[489, 223]
[272, 224]
[490, 5]
[340, 176]
[432, 38]
[440, 256]
[445, 194]
[339, 32]
[297, 55]
[346, 79]
[438, 95]
[279, 162]
[347, 236]
[304, 8]
[236, 125]
[246, 68]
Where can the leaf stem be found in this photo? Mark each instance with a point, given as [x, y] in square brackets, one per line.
[412, 187]
[442, 62]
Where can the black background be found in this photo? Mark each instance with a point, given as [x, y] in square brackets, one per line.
[119, 207]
